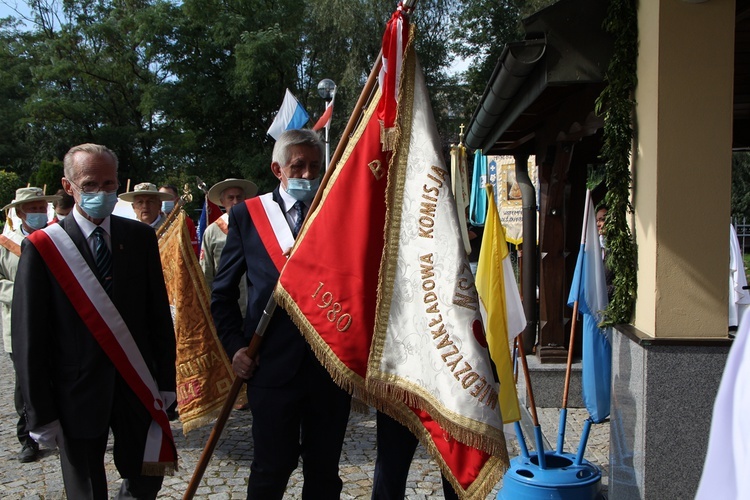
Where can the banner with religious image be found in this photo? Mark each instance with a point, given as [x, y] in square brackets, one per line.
[501, 172]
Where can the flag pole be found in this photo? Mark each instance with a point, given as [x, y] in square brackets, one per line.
[573, 323]
[234, 390]
[535, 419]
[255, 341]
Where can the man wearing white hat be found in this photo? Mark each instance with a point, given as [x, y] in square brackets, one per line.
[146, 200]
[227, 194]
[31, 207]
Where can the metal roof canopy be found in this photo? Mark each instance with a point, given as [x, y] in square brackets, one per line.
[565, 48]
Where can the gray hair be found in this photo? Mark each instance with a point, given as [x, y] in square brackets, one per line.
[300, 137]
[94, 149]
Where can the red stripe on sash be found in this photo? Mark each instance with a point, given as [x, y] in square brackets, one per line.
[267, 235]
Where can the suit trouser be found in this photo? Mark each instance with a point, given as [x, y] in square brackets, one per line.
[82, 460]
[305, 417]
[396, 447]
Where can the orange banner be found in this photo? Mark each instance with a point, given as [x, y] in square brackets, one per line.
[204, 374]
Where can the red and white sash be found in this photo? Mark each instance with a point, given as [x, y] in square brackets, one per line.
[272, 227]
[105, 323]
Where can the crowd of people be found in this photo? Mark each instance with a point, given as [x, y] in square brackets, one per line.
[105, 341]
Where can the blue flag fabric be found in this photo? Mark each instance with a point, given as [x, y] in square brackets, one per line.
[478, 200]
[589, 288]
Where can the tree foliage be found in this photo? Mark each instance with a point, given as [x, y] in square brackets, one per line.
[185, 89]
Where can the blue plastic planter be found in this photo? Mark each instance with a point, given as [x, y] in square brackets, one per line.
[562, 479]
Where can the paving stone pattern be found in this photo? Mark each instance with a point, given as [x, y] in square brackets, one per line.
[226, 475]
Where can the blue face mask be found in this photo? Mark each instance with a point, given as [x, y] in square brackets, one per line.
[167, 206]
[302, 189]
[36, 221]
[98, 205]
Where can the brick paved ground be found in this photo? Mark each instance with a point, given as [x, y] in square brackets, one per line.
[226, 475]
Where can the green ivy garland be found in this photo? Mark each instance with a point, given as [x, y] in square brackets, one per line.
[616, 103]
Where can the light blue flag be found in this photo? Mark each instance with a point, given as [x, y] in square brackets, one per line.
[590, 290]
[478, 199]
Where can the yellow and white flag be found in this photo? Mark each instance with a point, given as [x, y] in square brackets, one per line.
[501, 306]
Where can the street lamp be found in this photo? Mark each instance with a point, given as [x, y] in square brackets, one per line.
[327, 90]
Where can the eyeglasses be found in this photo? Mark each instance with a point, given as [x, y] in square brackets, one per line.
[93, 187]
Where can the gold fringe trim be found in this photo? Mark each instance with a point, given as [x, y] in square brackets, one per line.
[159, 468]
[492, 472]
[341, 374]
[484, 437]
[388, 137]
[360, 406]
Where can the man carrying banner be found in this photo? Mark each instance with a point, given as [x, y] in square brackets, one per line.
[297, 408]
[93, 338]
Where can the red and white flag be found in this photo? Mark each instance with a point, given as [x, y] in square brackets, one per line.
[325, 119]
[391, 310]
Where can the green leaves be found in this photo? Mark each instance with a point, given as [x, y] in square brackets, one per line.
[616, 104]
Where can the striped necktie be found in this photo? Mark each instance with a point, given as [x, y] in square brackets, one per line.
[103, 260]
[300, 207]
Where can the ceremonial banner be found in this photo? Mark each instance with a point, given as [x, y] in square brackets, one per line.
[429, 347]
[396, 320]
[502, 309]
[502, 177]
[204, 374]
[589, 288]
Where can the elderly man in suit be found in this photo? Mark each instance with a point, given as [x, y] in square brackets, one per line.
[93, 338]
[297, 408]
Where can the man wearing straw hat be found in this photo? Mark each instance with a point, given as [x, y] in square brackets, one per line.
[93, 338]
[146, 200]
[298, 411]
[226, 194]
[31, 207]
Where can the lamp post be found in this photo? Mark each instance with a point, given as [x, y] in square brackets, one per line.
[326, 90]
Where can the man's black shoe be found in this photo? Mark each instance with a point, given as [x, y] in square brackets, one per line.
[29, 452]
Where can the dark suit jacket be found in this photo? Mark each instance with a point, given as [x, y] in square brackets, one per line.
[63, 372]
[283, 348]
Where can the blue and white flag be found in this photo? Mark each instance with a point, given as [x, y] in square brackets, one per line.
[589, 288]
[478, 200]
[291, 115]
